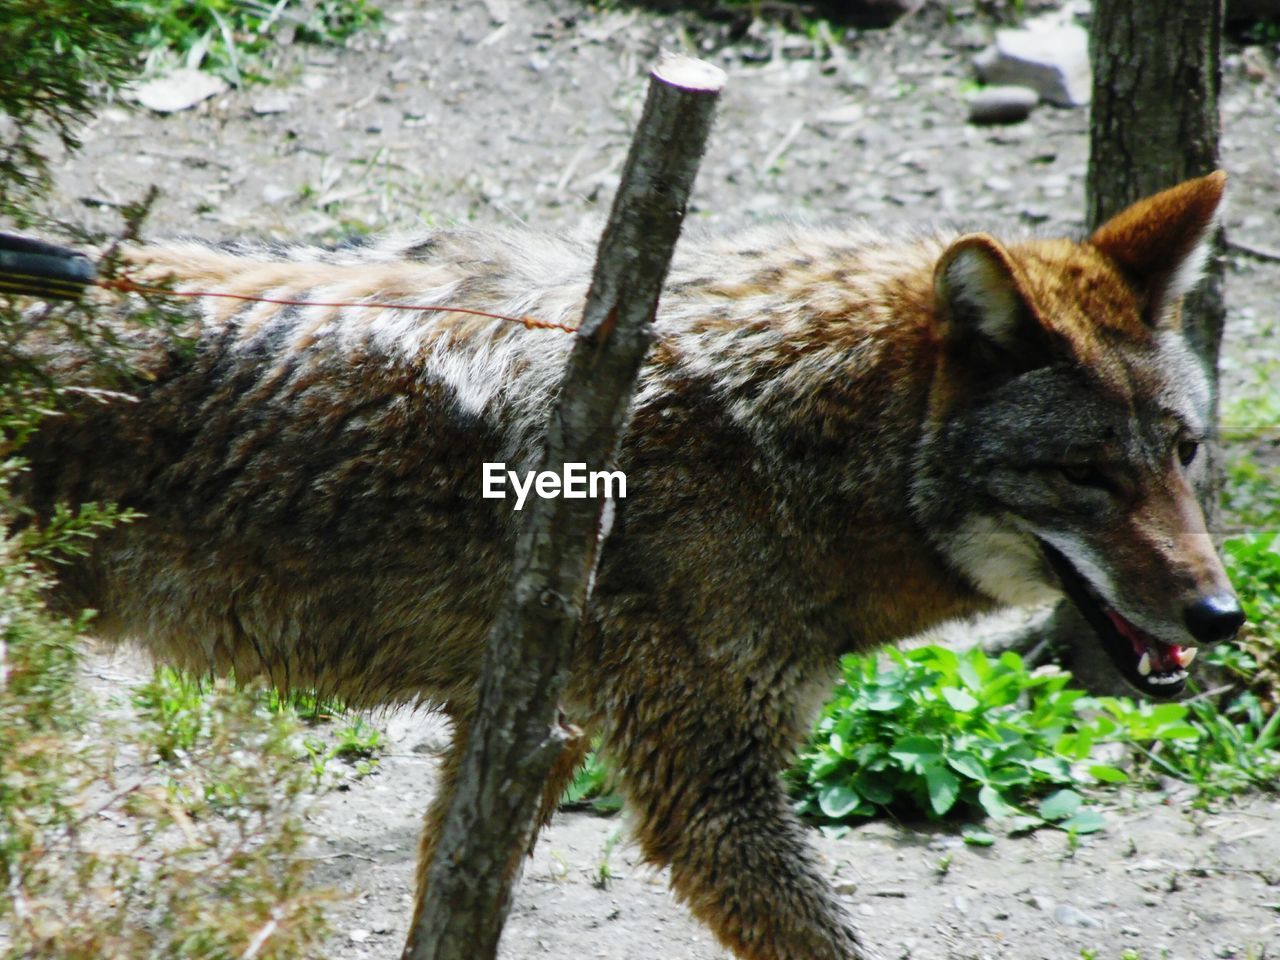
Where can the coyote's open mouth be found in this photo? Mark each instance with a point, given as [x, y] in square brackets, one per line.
[1154, 667]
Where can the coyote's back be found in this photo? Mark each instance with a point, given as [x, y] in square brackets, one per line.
[309, 476]
[838, 439]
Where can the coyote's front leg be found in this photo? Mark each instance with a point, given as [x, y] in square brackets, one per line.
[702, 773]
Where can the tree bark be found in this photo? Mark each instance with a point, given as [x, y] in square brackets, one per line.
[1156, 81]
[516, 735]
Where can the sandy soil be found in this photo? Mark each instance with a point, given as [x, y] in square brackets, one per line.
[497, 111]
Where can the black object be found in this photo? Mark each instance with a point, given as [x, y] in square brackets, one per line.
[37, 269]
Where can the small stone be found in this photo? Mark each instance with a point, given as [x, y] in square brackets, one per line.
[499, 10]
[1006, 103]
[1256, 63]
[274, 193]
[357, 935]
[837, 116]
[795, 47]
[1052, 59]
[273, 102]
[179, 90]
[1070, 916]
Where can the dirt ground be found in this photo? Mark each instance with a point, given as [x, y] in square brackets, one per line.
[494, 111]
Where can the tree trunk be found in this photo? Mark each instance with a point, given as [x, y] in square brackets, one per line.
[1156, 80]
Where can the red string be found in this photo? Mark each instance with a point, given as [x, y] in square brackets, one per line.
[125, 285]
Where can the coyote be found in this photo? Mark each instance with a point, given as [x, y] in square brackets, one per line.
[839, 438]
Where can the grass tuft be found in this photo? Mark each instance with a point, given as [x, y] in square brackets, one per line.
[239, 39]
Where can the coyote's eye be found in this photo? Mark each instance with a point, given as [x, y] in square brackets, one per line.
[1187, 452]
[1084, 474]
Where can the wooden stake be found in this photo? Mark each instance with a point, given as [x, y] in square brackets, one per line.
[516, 734]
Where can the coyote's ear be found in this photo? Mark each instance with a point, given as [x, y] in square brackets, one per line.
[1161, 243]
[986, 311]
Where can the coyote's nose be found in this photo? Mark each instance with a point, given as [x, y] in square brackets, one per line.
[1214, 618]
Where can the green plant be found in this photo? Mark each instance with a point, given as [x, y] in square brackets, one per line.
[356, 741]
[209, 865]
[1253, 659]
[215, 861]
[1251, 497]
[57, 55]
[1265, 32]
[1237, 748]
[175, 706]
[604, 872]
[1245, 750]
[214, 866]
[308, 705]
[935, 732]
[1251, 505]
[236, 38]
[592, 787]
[1254, 565]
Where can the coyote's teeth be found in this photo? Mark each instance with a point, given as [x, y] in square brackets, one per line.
[1185, 655]
[1144, 665]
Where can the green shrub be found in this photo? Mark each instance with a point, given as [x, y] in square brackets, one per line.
[201, 859]
[56, 56]
[933, 732]
[1238, 747]
[592, 787]
[1253, 562]
[236, 38]
[211, 860]
[937, 733]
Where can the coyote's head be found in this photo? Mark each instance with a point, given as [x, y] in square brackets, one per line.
[1068, 417]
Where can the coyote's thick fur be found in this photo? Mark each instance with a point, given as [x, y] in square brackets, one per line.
[839, 439]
